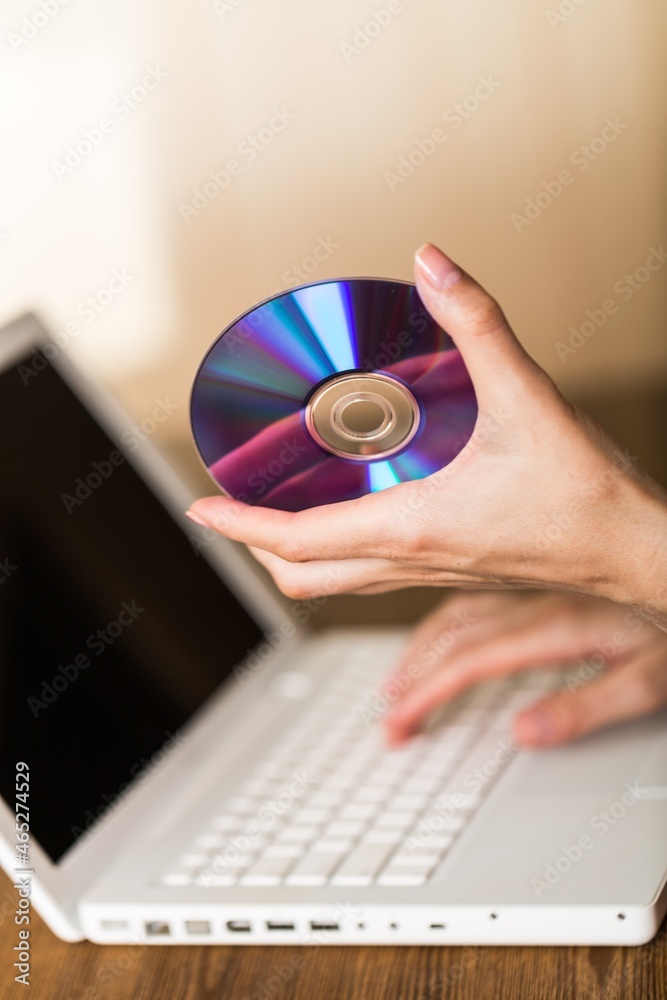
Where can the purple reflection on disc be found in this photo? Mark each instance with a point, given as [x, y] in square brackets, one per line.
[250, 393]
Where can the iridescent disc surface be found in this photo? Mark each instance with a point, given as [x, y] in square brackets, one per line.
[250, 394]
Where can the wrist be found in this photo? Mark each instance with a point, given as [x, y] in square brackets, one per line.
[638, 574]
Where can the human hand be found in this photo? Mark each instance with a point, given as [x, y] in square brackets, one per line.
[539, 497]
[472, 638]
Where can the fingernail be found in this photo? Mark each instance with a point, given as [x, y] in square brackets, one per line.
[536, 727]
[439, 271]
[196, 518]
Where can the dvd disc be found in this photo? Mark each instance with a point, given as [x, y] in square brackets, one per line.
[328, 392]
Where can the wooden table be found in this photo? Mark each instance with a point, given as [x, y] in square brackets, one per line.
[71, 971]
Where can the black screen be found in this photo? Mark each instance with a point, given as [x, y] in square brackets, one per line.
[113, 630]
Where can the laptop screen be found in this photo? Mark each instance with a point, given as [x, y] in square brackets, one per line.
[112, 630]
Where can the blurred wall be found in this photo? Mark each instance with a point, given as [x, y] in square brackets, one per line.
[165, 166]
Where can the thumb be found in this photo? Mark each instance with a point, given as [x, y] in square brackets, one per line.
[476, 324]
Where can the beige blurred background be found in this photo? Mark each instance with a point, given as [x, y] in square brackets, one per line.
[340, 99]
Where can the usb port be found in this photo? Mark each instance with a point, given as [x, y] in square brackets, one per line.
[323, 925]
[278, 925]
[157, 928]
[237, 926]
[197, 927]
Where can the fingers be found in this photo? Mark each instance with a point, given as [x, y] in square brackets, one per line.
[324, 578]
[353, 529]
[630, 689]
[498, 654]
[475, 322]
[446, 623]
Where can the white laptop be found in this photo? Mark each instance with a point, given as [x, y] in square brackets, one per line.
[184, 762]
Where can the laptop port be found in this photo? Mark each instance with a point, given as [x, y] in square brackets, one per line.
[238, 926]
[278, 925]
[197, 927]
[437, 927]
[115, 925]
[323, 925]
[157, 928]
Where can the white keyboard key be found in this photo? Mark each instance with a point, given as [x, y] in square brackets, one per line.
[209, 880]
[231, 863]
[421, 784]
[372, 793]
[382, 837]
[298, 833]
[284, 851]
[433, 843]
[340, 781]
[384, 777]
[327, 798]
[402, 877]
[192, 860]
[358, 810]
[362, 864]
[178, 877]
[339, 846]
[417, 860]
[267, 871]
[395, 819]
[344, 828]
[409, 801]
[313, 869]
[444, 823]
[312, 816]
[436, 767]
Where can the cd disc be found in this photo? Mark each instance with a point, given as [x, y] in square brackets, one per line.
[330, 391]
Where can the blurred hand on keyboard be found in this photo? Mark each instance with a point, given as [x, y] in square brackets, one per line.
[614, 662]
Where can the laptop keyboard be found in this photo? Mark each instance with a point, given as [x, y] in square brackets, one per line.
[332, 804]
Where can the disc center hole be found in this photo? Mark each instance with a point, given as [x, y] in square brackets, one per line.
[362, 416]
